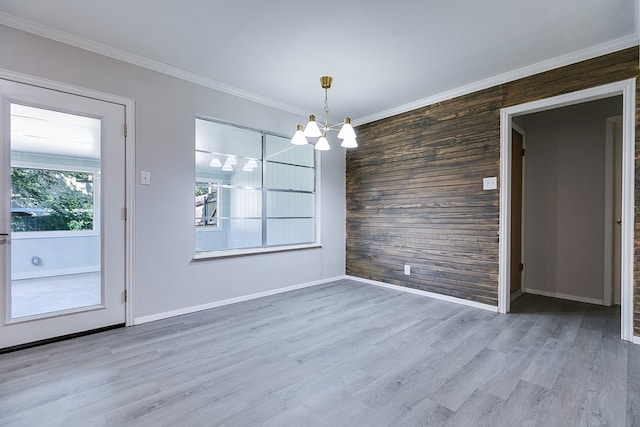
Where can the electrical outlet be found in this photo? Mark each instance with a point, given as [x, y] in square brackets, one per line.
[407, 270]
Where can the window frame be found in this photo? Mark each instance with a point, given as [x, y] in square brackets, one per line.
[264, 248]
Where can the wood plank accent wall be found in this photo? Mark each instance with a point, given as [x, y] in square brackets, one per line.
[414, 186]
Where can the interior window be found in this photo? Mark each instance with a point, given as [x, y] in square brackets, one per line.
[252, 189]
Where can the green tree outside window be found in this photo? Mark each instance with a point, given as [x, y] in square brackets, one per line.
[51, 200]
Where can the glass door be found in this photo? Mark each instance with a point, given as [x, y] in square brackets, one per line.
[62, 220]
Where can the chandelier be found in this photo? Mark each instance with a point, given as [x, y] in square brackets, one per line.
[315, 130]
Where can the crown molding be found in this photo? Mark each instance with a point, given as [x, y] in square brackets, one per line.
[540, 67]
[122, 55]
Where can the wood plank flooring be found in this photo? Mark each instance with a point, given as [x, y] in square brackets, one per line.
[340, 354]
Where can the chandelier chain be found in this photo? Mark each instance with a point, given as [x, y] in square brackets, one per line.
[326, 110]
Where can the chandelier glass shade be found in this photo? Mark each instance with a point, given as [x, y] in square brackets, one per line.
[313, 129]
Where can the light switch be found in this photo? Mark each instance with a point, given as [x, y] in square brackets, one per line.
[490, 183]
[145, 178]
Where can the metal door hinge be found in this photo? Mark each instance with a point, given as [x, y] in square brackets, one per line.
[125, 130]
[523, 152]
[125, 295]
[124, 213]
[521, 266]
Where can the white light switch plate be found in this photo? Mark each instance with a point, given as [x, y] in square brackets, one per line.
[145, 178]
[490, 183]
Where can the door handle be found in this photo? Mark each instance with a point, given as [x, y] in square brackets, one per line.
[618, 221]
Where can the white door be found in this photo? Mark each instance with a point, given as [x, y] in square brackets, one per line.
[62, 225]
[617, 207]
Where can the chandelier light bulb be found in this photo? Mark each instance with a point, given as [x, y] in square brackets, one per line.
[322, 144]
[312, 130]
[299, 138]
[231, 161]
[215, 163]
[349, 143]
[347, 132]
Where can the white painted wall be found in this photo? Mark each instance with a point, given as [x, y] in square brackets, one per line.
[166, 277]
[564, 199]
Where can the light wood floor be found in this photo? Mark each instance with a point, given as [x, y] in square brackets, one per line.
[341, 354]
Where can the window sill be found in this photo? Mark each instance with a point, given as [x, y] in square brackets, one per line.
[201, 256]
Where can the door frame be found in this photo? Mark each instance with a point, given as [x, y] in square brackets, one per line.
[129, 107]
[626, 88]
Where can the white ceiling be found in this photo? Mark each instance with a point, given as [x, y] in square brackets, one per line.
[385, 57]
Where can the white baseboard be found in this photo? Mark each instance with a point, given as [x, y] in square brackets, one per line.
[54, 272]
[494, 309]
[427, 294]
[564, 296]
[193, 309]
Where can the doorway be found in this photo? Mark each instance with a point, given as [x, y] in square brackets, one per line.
[627, 90]
[62, 217]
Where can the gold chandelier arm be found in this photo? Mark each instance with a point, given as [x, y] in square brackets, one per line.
[337, 126]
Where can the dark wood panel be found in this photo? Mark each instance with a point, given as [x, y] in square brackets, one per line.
[582, 75]
[414, 186]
